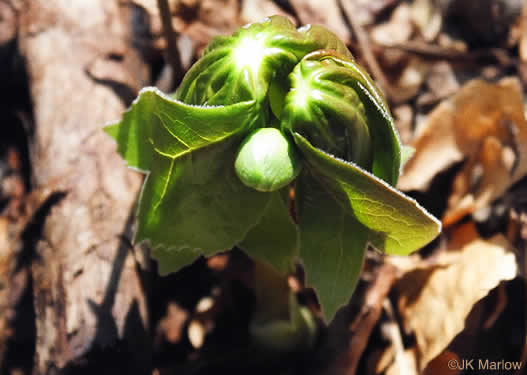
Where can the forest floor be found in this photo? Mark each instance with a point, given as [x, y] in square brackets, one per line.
[77, 297]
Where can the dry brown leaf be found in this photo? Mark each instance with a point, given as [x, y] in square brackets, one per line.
[395, 31]
[435, 149]
[427, 16]
[224, 21]
[523, 36]
[324, 13]
[413, 75]
[448, 293]
[367, 10]
[404, 364]
[403, 116]
[253, 11]
[209, 22]
[441, 83]
[484, 124]
[198, 20]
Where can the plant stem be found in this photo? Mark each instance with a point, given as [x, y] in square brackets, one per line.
[279, 323]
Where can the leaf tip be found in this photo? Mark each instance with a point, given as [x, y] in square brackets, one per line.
[112, 130]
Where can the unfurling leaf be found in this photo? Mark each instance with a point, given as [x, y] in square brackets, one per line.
[335, 105]
[240, 67]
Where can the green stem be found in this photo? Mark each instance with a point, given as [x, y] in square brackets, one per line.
[279, 323]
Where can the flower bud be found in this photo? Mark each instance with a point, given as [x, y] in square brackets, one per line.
[267, 160]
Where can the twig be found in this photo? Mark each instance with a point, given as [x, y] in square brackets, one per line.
[397, 96]
[360, 329]
[431, 51]
[173, 57]
[392, 332]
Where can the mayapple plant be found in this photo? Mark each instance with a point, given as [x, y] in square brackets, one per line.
[269, 108]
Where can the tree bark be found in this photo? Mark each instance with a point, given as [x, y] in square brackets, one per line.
[90, 302]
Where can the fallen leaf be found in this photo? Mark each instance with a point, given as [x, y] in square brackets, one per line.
[523, 36]
[427, 16]
[254, 11]
[404, 364]
[413, 75]
[224, 21]
[396, 30]
[484, 124]
[322, 13]
[435, 149]
[404, 116]
[367, 10]
[448, 292]
[441, 83]
[208, 21]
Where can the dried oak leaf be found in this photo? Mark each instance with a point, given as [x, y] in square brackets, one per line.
[434, 303]
[484, 124]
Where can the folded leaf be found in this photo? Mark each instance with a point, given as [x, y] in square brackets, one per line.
[336, 106]
[239, 67]
[156, 123]
[398, 224]
[325, 39]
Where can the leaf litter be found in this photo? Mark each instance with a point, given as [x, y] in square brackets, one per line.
[473, 141]
[470, 138]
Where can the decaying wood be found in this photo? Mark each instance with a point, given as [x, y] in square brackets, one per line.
[88, 295]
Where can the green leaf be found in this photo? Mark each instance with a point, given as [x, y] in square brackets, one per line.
[398, 224]
[156, 123]
[192, 202]
[332, 242]
[196, 217]
[274, 240]
[343, 128]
